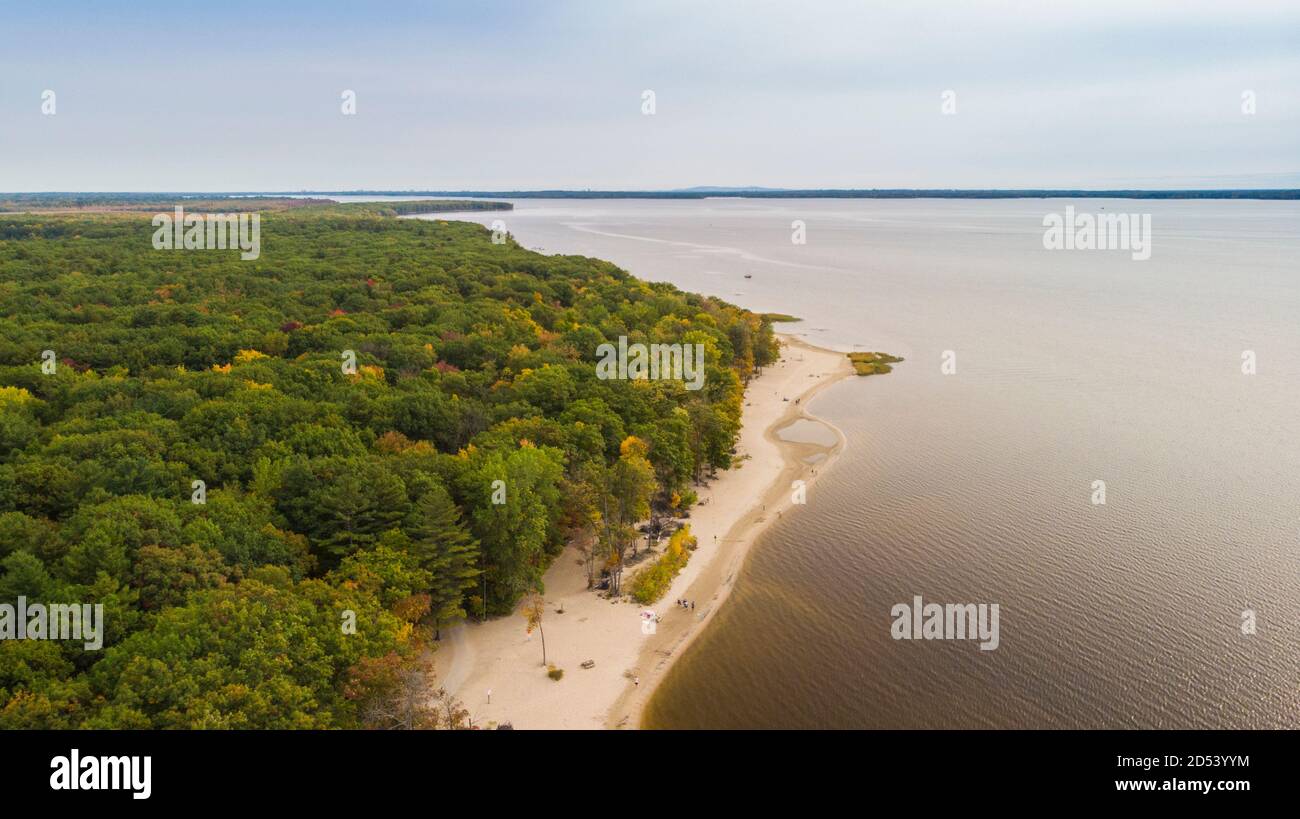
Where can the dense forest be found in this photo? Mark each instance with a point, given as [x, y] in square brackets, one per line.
[282, 477]
[220, 203]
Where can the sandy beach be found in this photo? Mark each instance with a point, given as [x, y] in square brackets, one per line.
[496, 668]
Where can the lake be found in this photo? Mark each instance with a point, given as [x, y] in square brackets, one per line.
[972, 472]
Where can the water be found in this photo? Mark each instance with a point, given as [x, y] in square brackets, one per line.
[977, 487]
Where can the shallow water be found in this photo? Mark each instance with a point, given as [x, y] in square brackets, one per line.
[807, 431]
[978, 486]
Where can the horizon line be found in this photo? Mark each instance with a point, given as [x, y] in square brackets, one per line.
[707, 191]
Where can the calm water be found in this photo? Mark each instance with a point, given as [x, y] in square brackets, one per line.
[976, 487]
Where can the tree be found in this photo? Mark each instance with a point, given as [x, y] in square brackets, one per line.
[632, 483]
[741, 336]
[616, 497]
[513, 534]
[388, 568]
[394, 692]
[356, 507]
[443, 547]
[549, 388]
[585, 493]
[534, 608]
[165, 576]
[262, 653]
[670, 450]
[595, 413]
[454, 716]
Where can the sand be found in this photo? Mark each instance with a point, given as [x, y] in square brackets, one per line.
[496, 669]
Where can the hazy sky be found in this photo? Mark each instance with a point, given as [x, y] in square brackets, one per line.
[798, 93]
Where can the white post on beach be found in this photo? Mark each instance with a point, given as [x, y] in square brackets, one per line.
[489, 696]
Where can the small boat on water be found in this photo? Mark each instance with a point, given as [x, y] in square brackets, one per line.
[749, 275]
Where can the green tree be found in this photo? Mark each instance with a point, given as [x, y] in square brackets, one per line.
[356, 507]
[164, 576]
[514, 533]
[446, 550]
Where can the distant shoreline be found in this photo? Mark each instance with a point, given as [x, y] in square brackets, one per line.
[834, 193]
[1269, 194]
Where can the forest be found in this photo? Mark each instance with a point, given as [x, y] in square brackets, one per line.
[222, 203]
[284, 478]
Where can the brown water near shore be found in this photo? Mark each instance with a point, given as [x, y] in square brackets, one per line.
[977, 487]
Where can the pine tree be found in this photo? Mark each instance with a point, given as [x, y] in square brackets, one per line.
[443, 546]
[357, 508]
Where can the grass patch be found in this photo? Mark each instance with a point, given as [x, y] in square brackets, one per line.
[873, 363]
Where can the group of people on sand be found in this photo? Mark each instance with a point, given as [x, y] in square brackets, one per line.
[687, 604]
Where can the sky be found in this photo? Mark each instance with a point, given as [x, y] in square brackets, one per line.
[504, 95]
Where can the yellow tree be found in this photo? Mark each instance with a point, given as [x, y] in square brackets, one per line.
[534, 608]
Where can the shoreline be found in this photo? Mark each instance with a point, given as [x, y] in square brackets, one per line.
[734, 510]
[719, 574]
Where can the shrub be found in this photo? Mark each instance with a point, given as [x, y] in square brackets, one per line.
[652, 582]
[873, 363]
